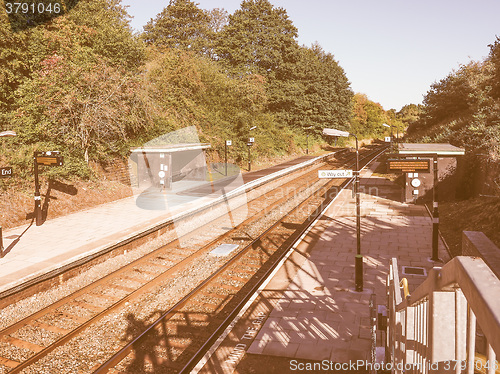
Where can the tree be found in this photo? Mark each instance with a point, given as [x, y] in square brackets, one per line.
[494, 58]
[13, 65]
[368, 116]
[322, 96]
[259, 39]
[87, 108]
[219, 18]
[180, 25]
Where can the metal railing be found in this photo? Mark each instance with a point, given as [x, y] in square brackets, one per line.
[434, 328]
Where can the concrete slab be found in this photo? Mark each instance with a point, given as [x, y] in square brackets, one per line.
[321, 314]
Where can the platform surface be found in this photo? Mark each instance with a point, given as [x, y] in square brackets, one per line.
[31, 251]
[319, 315]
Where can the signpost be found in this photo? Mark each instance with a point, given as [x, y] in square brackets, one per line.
[358, 264]
[335, 174]
[49, 158]
[6, 172]
[228, 144]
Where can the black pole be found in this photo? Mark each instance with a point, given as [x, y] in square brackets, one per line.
[435, 213]
[359, 258]
[391, 136]
[249, 163]
[307, 150]
[225, 152]
[1, 241]
[38, 199]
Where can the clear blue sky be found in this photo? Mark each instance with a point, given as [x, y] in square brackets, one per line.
[391, 50]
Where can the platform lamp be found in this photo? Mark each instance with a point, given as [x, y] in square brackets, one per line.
[7, 133]
[358, 277]
[4, 134]
[386, 125]
[250, 144]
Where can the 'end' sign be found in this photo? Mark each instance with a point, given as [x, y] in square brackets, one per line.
[6, 172]
[334, 173]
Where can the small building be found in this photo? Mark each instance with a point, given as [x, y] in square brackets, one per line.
[419, 173]
[160, 166]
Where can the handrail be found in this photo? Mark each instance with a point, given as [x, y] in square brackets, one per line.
[404, 285]
[479, 285]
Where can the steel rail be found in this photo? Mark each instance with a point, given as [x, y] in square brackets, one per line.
[227, 321]
[127, 349]
[139, 291]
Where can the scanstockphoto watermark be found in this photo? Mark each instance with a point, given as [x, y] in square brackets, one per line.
[327, 366]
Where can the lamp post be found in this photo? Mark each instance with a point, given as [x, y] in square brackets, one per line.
[358, 277]
[386, 125]
[249, 144]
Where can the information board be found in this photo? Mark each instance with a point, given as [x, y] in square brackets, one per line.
[409, 165]
[56, 160]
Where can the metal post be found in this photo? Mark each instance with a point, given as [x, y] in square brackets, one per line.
[435, 213]
[1, 241]
[391, 137]
[225, 152]
[38, 199]
[359, 257]
[249, 155]
[307, 140]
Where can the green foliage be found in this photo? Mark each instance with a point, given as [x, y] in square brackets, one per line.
[181, 25]
[80, 107]
[322, 96]
[86, 86]
[368, 117]
[464, 108]
[259, 39]
[494, 59]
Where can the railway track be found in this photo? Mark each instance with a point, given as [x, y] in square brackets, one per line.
[30, 344]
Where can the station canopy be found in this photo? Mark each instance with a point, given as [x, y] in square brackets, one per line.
[422, 149]
[334, 132]
[171, 148]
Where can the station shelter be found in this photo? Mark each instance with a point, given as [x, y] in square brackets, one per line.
[422, 164]
[163, 165]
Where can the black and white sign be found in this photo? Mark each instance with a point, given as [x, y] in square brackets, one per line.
[6, 172]
[229, 142]
[334, 173]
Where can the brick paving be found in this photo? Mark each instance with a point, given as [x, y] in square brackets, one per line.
[320, 316]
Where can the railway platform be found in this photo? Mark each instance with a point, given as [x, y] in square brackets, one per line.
[309, 312]
[33, 253]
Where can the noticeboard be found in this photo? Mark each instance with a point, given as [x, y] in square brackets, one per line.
[409, 165]
[55, 160]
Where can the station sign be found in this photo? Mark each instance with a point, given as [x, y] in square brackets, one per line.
[409, 165]
[49, 158]
[335, 174]
[229, 142]
[387, 139]
[6, 172]
[251, 140]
